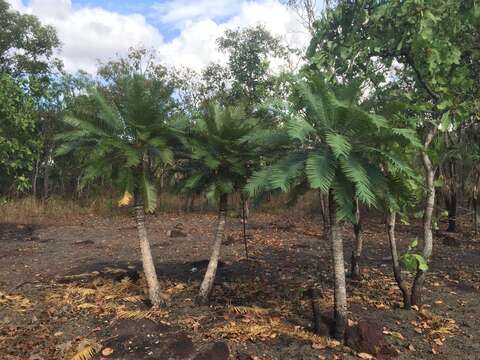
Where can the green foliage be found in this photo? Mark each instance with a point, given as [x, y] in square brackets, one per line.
[413, 261]
[18, 143]
[332, 144]
[222, 153]
[26, 45]
[124, 141]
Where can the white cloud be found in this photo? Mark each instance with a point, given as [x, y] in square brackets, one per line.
[178, 12]
[196, 45]
[89, 34]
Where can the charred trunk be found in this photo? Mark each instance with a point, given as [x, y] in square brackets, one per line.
[357, 251]
[340, 293]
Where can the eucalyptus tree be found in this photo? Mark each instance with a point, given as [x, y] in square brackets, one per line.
[336, 147]
[221, 158]
[123, 141]
[424, 48]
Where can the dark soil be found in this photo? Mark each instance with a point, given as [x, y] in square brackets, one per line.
[41, 264]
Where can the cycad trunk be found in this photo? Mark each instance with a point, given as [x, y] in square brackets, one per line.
[397, 272]
[417, 287]
[340, 293]
[156, 297]
[357, 251]
[209, 278]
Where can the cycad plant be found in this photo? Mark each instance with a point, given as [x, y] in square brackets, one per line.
[222, 155]
[124, 141]
[334, 146]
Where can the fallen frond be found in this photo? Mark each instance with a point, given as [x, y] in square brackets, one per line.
[243, 310]
[87, 353]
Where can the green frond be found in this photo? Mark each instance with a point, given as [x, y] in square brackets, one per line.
[356, 173]
[320, 170]
[286, 170]
[408, 134]
[298, 128]
[339, 144]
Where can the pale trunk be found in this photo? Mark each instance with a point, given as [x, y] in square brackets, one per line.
[357, 251]
[340, 293]
[417, 287]
[397, 271]
[156, 297]
[209, 278]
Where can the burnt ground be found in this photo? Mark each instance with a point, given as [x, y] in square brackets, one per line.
[69, 287]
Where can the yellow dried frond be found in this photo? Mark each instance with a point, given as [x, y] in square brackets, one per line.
[134, 299]
[77, 290]
[125, 200]
[255, 310]
[87, 353]
[140, 314]
[264, 329]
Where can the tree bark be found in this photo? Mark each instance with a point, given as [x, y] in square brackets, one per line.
[397, 272]
[209, 278]
[417, 287]
[451, 202]
[340, 293]
[155, 295]
[476, 206]
[357, 251]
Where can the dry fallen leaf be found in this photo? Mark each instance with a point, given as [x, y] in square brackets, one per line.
[107, 351]
[363, 355]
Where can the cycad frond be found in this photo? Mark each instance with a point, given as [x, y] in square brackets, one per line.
[320, 170]
[339, 144]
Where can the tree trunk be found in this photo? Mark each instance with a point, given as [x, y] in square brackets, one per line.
[324, 214]
[476, 206]
[451, 202]
[397, 272]
[357, 251]
[340, 293]
[417, 287]
[208, 280]
[35, 177]
[156, 297]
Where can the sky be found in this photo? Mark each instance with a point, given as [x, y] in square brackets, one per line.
[181, 32]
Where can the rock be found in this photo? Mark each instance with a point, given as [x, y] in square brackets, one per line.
[367, 337]
[177, 231]
[217, 351]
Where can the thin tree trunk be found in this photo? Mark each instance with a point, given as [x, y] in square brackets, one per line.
[451, 202]
[209, 278]
[357, 251]
[417, 287]
[340, 293]
[244, 224]
[476, 204]
[324, 214]
[35, 177]
[155, 295]
[397, 272]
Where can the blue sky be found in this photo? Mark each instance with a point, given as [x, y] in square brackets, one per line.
[182, 33]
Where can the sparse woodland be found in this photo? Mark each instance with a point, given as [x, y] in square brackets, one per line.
[327, 210]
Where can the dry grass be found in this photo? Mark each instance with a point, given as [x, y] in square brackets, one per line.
[55, 209]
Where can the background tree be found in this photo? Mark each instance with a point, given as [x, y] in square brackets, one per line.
[421, 47]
